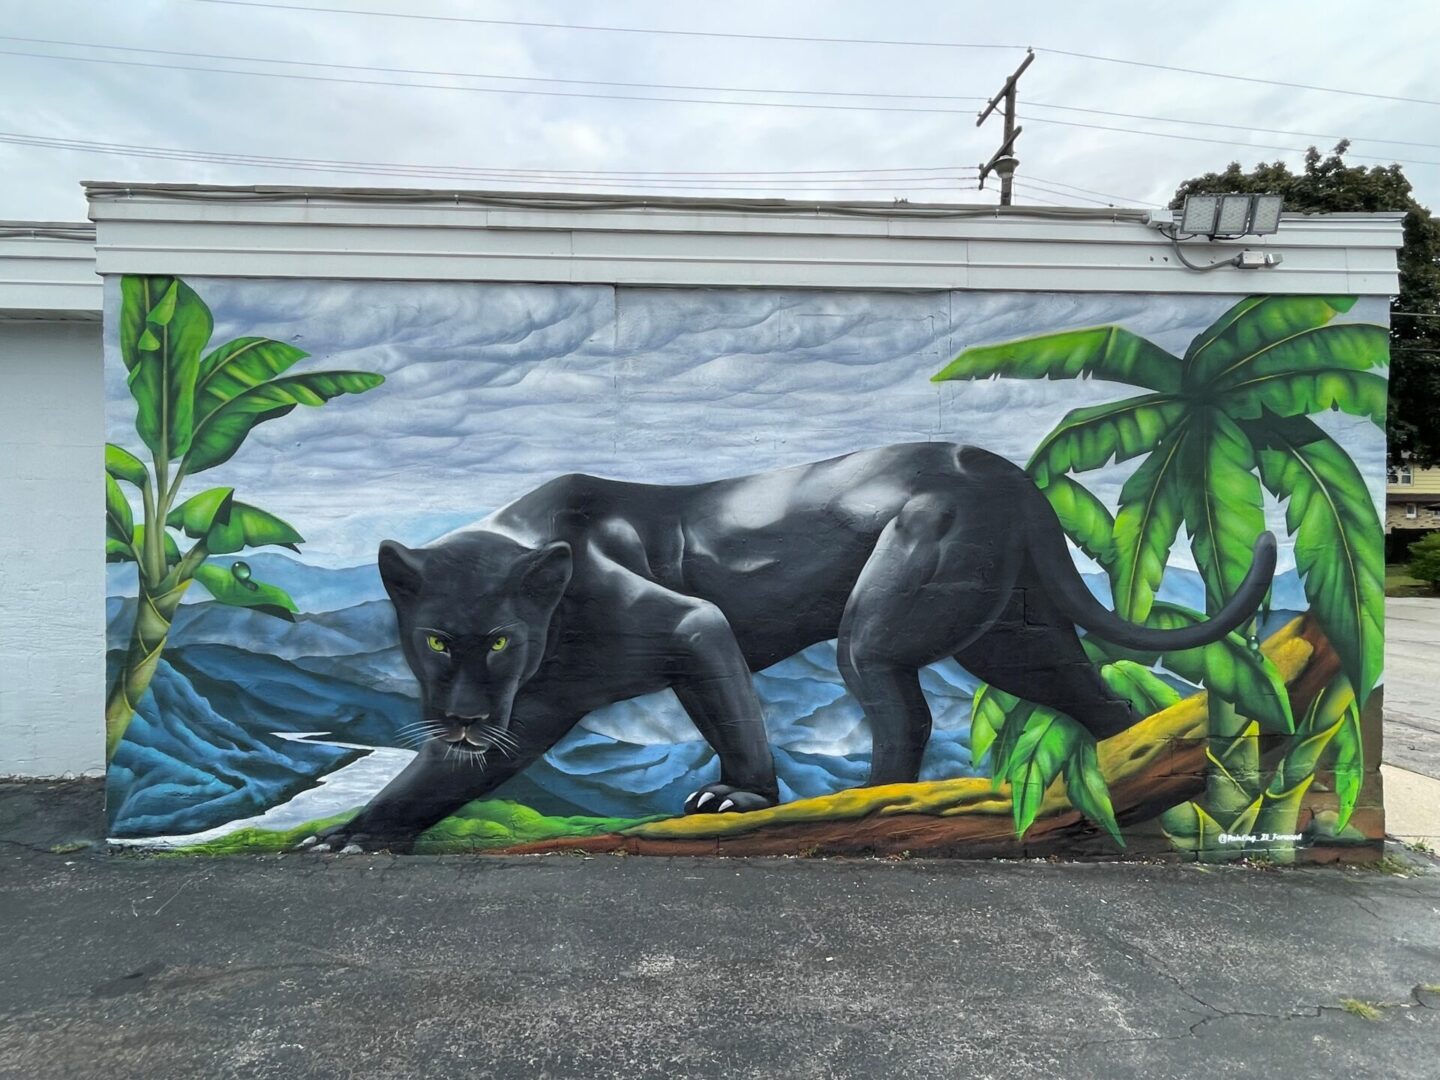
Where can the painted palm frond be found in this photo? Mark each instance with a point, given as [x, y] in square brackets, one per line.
[1217, 427]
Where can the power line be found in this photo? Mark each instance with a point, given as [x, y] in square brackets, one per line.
[1072, 195]
[1232, 127]
[917, 183]
[1219, 142]
[672, 100]
[735, 35]
[482, 89]
[1089, 191]
[487, 75]
[379, 69]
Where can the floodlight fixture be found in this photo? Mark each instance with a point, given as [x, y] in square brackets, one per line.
[1198, 217]
[1265, 215]
[1231, 215]
[1234, 217]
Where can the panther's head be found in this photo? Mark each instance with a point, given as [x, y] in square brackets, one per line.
[474, 613]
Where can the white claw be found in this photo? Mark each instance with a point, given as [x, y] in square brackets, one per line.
[706, 797]
[726, 805]
[351, 849]
[309, 841]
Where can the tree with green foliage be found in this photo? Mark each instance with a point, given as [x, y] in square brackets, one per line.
[194, 409]
[1216, 426]
[1329, 185]
[1425, 560]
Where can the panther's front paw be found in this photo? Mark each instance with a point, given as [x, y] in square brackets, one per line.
[345, 840]
[724, 799]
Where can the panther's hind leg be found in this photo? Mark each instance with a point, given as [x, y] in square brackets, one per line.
[935, 579]
[1033, 652]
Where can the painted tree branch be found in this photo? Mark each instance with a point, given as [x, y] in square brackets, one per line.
[1155, 765]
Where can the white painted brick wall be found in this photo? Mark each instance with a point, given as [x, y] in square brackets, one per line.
[52, 560]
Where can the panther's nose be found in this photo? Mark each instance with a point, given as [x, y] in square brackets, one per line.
[473, 718]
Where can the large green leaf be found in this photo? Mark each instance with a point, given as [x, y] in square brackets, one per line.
[164, 328]
[1224, 511]
[1253, 324]
[240, 365]
[119, 520]
[1151, 508]
[1339, 544]
[1146, 692]
[1085, 787]
[123, 465]
[1319, 389]
[988, 710]
[1348, 346]
[249, 526]
[1083, 517]
[200, 513]
[138, 297]
[220, 432]
[241, 591]
[1229, 668]
[1088, 438]
[228, 525]
[1046, 744]
[1349, 764]
[1102, 352]
[116, 551]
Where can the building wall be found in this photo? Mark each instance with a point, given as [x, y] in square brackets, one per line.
[810, 654]
[1416, 492]
[51, 547]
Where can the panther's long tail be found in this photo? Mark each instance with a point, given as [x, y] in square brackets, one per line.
[1052, 562]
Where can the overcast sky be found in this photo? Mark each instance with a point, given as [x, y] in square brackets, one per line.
[1385, 50]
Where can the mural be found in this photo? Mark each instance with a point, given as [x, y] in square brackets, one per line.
[744, 571]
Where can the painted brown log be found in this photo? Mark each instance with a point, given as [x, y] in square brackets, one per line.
[1155, 765]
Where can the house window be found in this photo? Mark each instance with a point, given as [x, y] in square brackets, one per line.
[1412, 511]
[1405, 475]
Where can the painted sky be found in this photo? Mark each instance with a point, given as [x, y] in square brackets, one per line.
[493, 389]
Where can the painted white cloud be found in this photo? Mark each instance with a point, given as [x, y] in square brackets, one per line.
[493, 389]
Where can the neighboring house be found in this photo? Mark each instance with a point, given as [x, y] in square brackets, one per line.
[1412, 507]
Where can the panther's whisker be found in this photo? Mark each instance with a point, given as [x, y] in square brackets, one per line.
[422, 725]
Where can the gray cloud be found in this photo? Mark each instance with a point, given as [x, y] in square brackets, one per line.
[492, 389]
[1316, 42]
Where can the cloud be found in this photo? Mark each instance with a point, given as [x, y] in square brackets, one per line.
[210, 110]
[493, 389]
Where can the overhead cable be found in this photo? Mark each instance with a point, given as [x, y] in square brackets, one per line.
[813, 39]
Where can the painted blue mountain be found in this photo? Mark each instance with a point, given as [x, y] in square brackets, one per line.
[201, 750]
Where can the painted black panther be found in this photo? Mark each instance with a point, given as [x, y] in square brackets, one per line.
[589, 591]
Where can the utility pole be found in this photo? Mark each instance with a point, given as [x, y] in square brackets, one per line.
[1003, 161]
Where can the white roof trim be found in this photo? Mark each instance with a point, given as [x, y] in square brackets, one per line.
[487, 236]
[47, 271]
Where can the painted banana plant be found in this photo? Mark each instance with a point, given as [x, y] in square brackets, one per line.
[1218, 425]
[195, 405]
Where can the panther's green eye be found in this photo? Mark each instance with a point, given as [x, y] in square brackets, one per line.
[436, 643]
[498, 645]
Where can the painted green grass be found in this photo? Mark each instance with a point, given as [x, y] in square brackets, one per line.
[484, 825]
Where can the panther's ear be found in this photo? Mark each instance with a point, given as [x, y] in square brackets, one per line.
[547, 573]
[400, 570]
